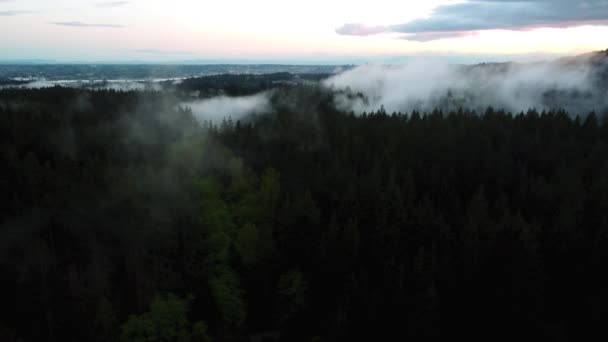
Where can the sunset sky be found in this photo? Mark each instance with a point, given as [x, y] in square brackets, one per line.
[298, 31]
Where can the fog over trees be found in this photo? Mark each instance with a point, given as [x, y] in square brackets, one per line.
[312, 207]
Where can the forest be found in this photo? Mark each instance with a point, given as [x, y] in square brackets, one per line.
[126, 218]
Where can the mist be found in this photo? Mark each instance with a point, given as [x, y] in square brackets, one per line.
[425, 86]
[117, 85]
[223, 107]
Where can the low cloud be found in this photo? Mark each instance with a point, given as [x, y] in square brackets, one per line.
[223, 107]
[479, 15]
[425, 86]
[81, 24]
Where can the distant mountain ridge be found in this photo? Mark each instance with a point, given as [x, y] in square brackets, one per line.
[597, 60]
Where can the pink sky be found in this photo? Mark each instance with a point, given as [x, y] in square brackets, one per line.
[155, 30]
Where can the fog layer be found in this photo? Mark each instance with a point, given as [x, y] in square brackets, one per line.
[425, 86]
[223, 107]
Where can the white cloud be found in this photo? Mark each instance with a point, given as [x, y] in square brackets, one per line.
[223, 107]
[424, 86]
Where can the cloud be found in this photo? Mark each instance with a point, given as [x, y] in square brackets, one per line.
[112, 3]
[163, 52]
[12, 13]
[360, 29]
[81, 24]
[222, 107]
[431, 36]
[424, 85]
[479, 15]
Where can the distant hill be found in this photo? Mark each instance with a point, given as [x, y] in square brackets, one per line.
[52, 72]
[597, 60]
[595, 57]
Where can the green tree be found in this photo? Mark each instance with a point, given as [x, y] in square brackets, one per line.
[200, 332]
[248, 240]
[228, 297]
[166, 321]
[293, 291]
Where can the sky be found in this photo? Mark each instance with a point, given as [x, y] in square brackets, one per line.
[298, 31]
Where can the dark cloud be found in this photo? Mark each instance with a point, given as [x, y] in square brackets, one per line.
[479, 15]
[112, 3]
[81, 24]
[430, 36]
